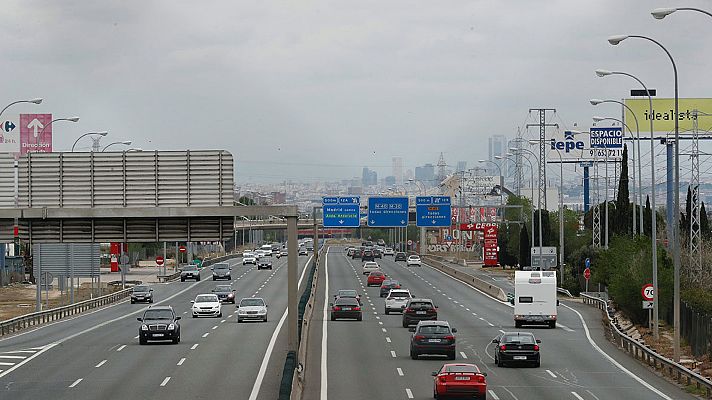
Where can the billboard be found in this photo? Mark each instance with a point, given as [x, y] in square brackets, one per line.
[26, 133]
[596, 145]
[664, 111]
[480, 184]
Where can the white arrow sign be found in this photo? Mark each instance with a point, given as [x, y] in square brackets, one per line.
[373, 221]
[341, 221]
[434, 222]
[402, 222]
[35, 124]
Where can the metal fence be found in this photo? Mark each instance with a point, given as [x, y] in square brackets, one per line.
[695, 328]
[645, 354]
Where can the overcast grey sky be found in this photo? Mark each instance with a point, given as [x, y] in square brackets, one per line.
[312, 90]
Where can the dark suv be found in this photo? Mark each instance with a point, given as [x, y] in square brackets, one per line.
[159, 323]
[432, 337]
[400, 256]
[141, 293]
[367, 255]
[419, 310]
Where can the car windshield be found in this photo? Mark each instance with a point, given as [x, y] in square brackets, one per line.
[140, 289]
[434, 329]
[521, 339]
[223, 288]
[461, 368]
[221, 266]
[190, 267]
[252, 302]
[157, 314]
[206, 298]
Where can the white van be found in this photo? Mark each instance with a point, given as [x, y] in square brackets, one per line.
[535, 298]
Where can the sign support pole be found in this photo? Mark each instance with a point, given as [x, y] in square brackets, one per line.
[292, 267]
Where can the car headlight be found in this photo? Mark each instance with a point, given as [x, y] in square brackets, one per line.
[241, 312]
[262, 311]
[144, 327]
[171, 327]
[231, 295]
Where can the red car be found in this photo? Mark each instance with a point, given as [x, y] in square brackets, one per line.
[376, 278]
[460, 380]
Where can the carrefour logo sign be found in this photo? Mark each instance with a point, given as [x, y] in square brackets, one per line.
[568, 144]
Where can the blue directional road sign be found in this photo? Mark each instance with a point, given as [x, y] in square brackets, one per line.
[433, 211]
[387, 212]
[341, 212]
[588, 263]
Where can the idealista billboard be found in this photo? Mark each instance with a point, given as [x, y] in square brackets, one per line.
[597, 145]
[663, 114]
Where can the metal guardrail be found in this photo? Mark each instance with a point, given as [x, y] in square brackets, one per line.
[492, 290]
[647, 355]
[16, 324]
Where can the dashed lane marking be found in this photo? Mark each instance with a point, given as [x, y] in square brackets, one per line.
[409, 393]
[182, 360]
[100, 364]
[121, 347]
[194, 346]
[462, 353]
[400, 371]
[75, 383]
[165, 381]
[393, 354]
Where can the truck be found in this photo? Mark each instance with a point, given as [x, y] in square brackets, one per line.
[535, 298]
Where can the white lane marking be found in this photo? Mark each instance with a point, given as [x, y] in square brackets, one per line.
[136, 337]
[21, 351]
[215, 327]
[393, 354]
[388, 339]
[323, 382]
[185, 312]
[235, 312]
[13, 357]
[223, 321]
[564, 327]
[409, 393]
[182, 360]
[400, 371]
[28, 359]
[462, 353]
[165, 381]
[474, 314]
[501, 331]
[100, 364]
[577, 395]
[380, 322]
[194, 346]
[377, 317]
[270, 347]
[75, 383]
[6, 363]
[121, 347]
[384, 330]
[613, 361]
[592, 395]
[467, 309]
[553, 375]
[493, 394]
[206, 334]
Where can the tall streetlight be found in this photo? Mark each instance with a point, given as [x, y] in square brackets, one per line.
[70, 119]
[660, 13]
[424, 191]
[102, 133]
[538, 207]
[33, 101]
[653, 220]
[595, 102]
[531, 169]
[615, 40]
[125, 142]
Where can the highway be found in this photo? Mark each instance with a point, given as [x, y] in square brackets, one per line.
[370, 359]
[97, 355]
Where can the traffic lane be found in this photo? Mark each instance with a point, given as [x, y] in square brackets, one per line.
[360, 362]
[52, 332]
[588, 369]
[77, 357]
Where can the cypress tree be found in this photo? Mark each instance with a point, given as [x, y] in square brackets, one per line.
[686, 219]
[704, 223]
[622, 223]
[647, 217]
[524, 247]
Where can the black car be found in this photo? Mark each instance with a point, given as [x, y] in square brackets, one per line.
[357, 253]
[367, 255]
[377, 253]
[264, 264]
[515, 347]
[141, 293]
[159, 323]
[225, 293]
[221, 271]
[432, 337]
[387, 285]
[348, 293]
[400, 256]
[419, 310]
[346, 307]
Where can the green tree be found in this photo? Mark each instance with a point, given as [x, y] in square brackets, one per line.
[704, 223]
[686, 219]
[622, 224]
[547, 234]
[246, 201]
[524, 247]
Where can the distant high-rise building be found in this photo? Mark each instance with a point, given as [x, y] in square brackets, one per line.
[461, 166]
[390, 180]
[398, 170]
[426, 174]
[369, 177]
[409, 174]
[498, 147]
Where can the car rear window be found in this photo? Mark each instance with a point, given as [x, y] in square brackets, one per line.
[523, 339]
[461, 368]
[376, 273]
[399, 294]
[435, 329]
[421, 304]
[346, 301]
[347, 293]
[223, 288]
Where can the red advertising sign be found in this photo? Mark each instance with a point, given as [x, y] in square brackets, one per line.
[476, 226]
[491, 250]
[35, 133]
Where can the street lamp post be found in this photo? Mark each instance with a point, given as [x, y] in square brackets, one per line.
[125, 142]
[33, 101]
[653, 220]
[615, 40]
[660, 13]
[538, 207]
[531, 169]
[596, 102]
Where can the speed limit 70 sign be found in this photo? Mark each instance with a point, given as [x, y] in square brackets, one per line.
[648, 292]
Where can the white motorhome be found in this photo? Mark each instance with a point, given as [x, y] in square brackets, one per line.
[535, 298]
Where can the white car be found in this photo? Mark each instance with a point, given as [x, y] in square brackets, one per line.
[249, 258]
[397, 299]
[370, 266]
[413, 260]
[252, 308]
[263, 253]
[206, 304]
[388, 252]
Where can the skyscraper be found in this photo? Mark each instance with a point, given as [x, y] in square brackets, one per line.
[426, 174]
[498, 147]
[398, 170]
[461, 166]
[369, 177]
